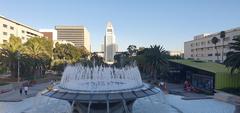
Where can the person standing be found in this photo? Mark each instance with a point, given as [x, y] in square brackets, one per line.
[26, 90]
[20, 90]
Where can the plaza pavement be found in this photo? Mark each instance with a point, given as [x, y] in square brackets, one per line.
[219, 95]
[14, 95]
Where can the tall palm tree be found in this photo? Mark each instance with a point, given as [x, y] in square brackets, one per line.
[40, 52]
[233, 57]
[9, 53]
[156, 57]
[222, 36]
[215, 40]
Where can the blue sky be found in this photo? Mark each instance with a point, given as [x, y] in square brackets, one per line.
[139, 22]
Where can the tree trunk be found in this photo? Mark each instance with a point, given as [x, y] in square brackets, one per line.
[217, 53]
[13, 69]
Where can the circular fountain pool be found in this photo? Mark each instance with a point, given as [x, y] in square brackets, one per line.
[101, 89]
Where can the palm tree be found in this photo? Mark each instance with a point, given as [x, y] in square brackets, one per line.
[233, 57]
[222, 36]
[39, 50]
[9, 53]
[215, 40]
[96, 59]
[156, 58]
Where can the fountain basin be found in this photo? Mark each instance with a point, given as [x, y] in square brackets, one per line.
[102, 96]
[101, 89]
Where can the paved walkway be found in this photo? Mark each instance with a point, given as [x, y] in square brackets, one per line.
[14, 95]
[219, 95]
[177, 89]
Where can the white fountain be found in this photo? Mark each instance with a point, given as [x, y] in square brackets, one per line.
[101, 89]
[100, 79]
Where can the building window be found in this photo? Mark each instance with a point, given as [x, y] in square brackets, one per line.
[5, 25]
[4, 33]
[209, 60]
[224, 54]
[227, 39]
[210, 48]
[11, 27]
[4, 41]
[217, 61]
[217, 54]
[23, 31]
[209, 54]
[109, 30]
[235, 36]
[23, 38]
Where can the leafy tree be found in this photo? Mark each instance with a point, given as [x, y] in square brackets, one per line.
[39, 52]
[9, 52]
[84, 53]
[69, 52]
[132, 49]
[233, 57]
[215, 40]
[122, 59]
[96, 59]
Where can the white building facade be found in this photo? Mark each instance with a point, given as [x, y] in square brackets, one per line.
[202, 48]
[110, 47]
[10, 27]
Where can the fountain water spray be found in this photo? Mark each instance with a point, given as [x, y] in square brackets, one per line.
[100, 79]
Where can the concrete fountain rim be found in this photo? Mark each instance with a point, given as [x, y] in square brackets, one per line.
[102, 97]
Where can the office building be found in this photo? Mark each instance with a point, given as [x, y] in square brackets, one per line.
[10, 27]
[78, 35]
[49, 33]
[110, 47]
[202, 48]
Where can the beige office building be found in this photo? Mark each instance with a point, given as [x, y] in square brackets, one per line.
[202, 48]
[10, 27]
[78, 35]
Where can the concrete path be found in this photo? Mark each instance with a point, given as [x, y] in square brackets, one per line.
[177, 89]
[14, 95]
[219, 95]
[228, 98]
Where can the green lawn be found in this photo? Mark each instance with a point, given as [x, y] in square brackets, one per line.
[1, 84]
[208, 66]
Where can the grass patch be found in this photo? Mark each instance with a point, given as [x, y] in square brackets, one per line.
[2, 84]
[208, 66]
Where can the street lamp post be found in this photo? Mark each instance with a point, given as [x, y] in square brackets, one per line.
[18, 71]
